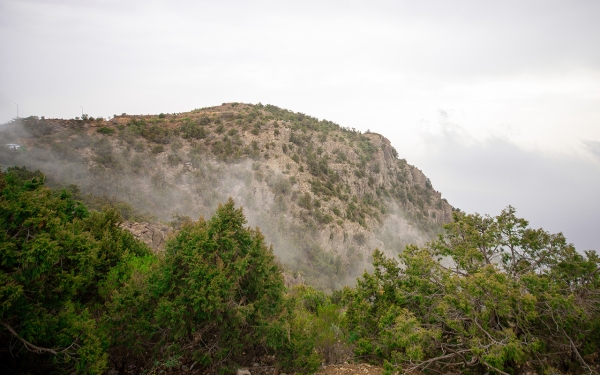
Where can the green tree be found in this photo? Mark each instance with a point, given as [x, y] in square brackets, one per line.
[216, 300]
[491, 294]
[53, 255]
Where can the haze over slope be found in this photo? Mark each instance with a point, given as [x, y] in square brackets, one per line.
[324, 195]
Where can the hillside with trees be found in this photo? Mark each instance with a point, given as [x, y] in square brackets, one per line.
[248, 237]
[325, 196]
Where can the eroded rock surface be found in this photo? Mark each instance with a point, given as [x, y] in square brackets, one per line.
[152, 234]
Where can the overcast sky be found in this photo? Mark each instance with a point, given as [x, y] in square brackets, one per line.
[498, 102]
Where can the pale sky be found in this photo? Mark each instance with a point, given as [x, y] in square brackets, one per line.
[498, 102]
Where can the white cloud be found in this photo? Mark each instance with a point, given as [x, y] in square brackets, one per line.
[594, 148]
[558, 192]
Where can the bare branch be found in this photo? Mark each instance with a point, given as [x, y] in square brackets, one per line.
[455, 354]
[581, 360]
[29, 346]
[495, 369]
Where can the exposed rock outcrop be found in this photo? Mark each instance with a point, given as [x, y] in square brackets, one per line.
[152, 234]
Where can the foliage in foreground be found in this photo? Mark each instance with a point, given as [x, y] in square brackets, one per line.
[53, 255]
[78, 294]
[510, 298]
[216, 300]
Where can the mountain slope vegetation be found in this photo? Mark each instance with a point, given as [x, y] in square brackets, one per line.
[444, 292]
[325, 196]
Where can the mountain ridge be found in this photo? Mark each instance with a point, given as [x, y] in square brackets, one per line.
[325, 196]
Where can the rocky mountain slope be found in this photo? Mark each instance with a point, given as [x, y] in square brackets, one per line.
[324, 195]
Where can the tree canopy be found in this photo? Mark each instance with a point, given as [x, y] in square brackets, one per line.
[215, 300]
[79, 294]
[491, 294]
[54, 254]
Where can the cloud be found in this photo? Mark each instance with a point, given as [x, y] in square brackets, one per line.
[593, 147]
[558, 192]
[62, 54]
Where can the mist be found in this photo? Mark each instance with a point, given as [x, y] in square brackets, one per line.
[181, 178]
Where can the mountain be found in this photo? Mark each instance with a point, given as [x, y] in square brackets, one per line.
[325, 196]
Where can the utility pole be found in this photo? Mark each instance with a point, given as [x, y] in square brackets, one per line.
[17, 110]
[81, 111]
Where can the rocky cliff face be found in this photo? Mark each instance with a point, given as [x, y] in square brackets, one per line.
[324, 195]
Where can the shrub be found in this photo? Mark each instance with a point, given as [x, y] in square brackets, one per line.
[204, 120]
[157, 134]
[305, 201]
[173, 159]
[193, 131]
[37, 127]
[106, 130]
[280, 185]
[360, 238]
[322, 217]
[321, 320]
[176, 146]
[154, 133]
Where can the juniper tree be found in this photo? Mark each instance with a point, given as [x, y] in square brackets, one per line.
[491, 294]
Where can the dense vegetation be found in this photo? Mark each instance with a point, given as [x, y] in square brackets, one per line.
[54, 258]
[78, 294]
[491, 295]
[321, 193]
